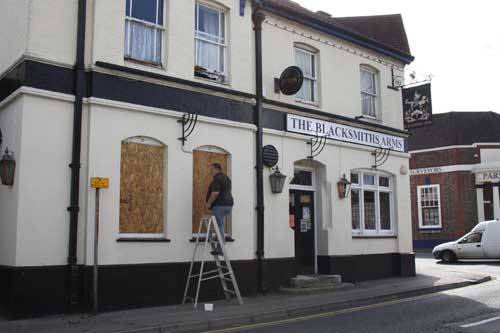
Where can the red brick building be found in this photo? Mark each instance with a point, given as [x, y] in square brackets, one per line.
[455, 175]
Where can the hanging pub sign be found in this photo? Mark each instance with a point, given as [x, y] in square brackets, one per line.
[417, 105]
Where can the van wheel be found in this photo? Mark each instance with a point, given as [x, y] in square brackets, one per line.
[448, 257]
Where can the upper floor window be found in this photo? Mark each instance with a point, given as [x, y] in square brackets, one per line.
[371, 203]
[369, 92]
[210, 43]
[429, 206]
[144, 30]
[306, 61]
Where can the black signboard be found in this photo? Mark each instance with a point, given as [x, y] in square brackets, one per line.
[417, 106]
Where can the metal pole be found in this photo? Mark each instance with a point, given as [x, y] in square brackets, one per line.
[258, 17]
[96, 244]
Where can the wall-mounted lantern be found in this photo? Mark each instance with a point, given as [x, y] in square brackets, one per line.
[344, 187]
[7, 168]
[277, 180]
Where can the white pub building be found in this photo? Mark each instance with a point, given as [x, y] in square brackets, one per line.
[95, 88]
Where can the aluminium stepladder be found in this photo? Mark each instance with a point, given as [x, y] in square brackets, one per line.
[223, 269]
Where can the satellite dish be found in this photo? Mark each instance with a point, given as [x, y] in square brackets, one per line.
[291, 80]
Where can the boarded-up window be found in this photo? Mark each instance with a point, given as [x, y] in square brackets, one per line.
[142, 194]
[202, 177]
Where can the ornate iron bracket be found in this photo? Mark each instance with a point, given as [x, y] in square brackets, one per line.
[317, 144]
[380, 156]
[188, 122]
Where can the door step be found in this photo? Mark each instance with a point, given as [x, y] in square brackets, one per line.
[315, 280]
[315, 284]
[316, 290]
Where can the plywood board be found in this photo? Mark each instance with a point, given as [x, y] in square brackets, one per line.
[142, 188]
[202, 177]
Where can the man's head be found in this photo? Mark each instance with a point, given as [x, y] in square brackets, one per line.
[216, 168]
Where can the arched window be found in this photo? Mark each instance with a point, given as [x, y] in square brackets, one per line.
[372, 201]
[203, 157]
[369, 91]
[142, 188]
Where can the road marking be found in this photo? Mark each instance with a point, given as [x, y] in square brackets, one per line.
[480, 322]
[322, 315]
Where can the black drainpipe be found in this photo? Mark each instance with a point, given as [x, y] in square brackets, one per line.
[258, 17]
[74, 274]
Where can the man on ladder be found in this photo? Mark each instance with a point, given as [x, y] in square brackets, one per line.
[219, 200]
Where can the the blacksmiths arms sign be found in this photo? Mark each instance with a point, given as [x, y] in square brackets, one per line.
[335, 131]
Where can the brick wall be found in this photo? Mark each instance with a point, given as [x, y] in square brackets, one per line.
[458, 205]
[444, 157]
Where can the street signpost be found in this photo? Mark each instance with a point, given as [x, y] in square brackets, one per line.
[97, 183]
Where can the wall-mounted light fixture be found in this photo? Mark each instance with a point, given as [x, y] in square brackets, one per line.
[344, 187]
[277, 180]
[7, 168]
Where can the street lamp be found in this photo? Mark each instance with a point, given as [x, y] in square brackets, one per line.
[343, 186]
[7, 168]
[277, 180]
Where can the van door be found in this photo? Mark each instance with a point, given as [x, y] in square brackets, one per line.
[470, 247]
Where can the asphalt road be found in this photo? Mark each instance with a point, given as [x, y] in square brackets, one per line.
[471, 309]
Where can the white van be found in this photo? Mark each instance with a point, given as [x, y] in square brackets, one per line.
[483, 242]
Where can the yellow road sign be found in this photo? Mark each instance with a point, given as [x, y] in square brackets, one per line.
[96, 182]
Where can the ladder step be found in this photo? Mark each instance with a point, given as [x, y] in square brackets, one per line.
[230, 291]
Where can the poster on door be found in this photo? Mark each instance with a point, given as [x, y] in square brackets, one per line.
[306, 217]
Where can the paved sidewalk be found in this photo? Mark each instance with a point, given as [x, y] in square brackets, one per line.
[182, 318]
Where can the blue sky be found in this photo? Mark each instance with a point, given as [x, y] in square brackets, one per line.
[458, 42]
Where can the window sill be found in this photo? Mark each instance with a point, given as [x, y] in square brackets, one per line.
[315, 104]
[139, 239]
[144, 63]
[430, 230]
[202, 239]
[213, 82]
[374, 236]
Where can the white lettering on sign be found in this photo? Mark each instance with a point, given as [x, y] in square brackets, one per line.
[335, 131]
[424, 171]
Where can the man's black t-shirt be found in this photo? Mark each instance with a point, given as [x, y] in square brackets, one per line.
[221, 184]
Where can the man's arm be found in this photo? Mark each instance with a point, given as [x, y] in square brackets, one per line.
[212, 198]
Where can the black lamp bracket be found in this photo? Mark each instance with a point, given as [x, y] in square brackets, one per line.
[317, 144]
[380, 156]
[188, 122]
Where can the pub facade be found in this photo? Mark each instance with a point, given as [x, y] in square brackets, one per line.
[148, 94]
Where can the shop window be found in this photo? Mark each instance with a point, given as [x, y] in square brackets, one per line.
[368, 78]
[371, 203]
[144, 30]
[429, 206]
[306, 60]
[142, 188]
[210, 43]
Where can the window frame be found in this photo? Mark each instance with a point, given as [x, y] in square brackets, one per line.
[314, 79]
[375, 95]
[419, 205]
[222, 76]
[360, 187]
[156, 26]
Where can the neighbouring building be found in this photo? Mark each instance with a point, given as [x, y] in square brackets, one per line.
[99, 88]
[455, 175]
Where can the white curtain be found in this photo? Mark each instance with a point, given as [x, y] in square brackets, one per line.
[304, 61]
[209, 55]
[140, 42]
